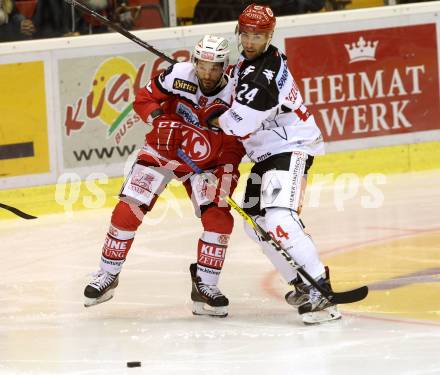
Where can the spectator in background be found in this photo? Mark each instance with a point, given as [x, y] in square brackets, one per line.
[207, 11]
[115, 10]
[55, 18]
[13, 25]
[290, 7]
[51, 18]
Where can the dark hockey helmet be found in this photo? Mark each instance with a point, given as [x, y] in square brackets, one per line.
[256, 18]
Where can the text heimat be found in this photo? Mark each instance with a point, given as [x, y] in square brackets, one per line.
[362, 102]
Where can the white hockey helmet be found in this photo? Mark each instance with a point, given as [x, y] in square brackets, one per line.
[213, 49]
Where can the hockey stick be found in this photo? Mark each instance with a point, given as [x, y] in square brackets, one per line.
[349, 296]
[17, 212]
[338, 298]
[113, 25]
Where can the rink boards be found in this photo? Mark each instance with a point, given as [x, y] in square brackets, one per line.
[68, 127]
[75, 194]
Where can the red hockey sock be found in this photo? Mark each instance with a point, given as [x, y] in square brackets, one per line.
[126, 219]
[217, 223]
[211, 252]
[116, 246]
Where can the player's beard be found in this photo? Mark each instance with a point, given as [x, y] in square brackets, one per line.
[98, 4]
[212, 85]
[250, 54]
[208, 86]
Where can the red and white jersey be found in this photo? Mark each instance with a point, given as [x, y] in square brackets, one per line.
[176, 91]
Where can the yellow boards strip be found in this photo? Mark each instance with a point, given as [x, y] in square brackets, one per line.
[23, 121]
[57, 198]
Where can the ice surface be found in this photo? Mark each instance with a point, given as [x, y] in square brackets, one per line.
[44, 328]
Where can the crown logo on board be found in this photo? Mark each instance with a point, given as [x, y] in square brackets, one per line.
[362, 50]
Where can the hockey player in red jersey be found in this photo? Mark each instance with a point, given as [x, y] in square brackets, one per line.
[174, 103]
[280, 135]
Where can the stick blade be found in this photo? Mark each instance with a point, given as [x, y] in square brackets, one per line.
[17, 212]
[349, 296]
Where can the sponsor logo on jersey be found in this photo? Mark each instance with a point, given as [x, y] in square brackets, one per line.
[268, 74]
[202, 101]
[187, 114]
[293, 94]
[264, 156]
[248, 70]
[195, 143]
[297, 175]
[283, 78]
[182, 85]
[235, 116]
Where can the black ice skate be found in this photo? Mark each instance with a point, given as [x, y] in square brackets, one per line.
[207, 299]
[299, 295]
[101, 288]
[317, 309]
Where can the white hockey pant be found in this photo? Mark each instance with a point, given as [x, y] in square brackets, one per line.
[284, 268]
[284, 225]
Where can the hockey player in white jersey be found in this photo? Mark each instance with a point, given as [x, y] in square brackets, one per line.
[281, 137]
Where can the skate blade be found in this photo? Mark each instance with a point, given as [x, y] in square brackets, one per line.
[294, 300]
[88, 302]
[327, 315]
[201, 308]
